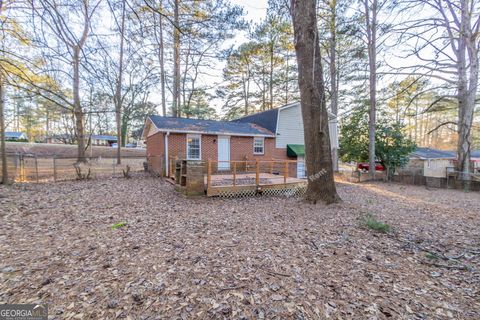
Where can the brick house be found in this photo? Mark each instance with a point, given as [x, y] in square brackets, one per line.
[275, 134]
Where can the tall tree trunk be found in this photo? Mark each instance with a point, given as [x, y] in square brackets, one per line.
[333, 72]
[286, 79]
[3, 149]
[321, 185]
[466, 88]
[161, 58]
[371, 24]
[271, 74]
[118, 89]
[176, 61]
[77, 106]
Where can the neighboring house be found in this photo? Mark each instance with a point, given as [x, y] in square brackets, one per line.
[435, 163]
[15, 136]
[103, 140]
[275, 134]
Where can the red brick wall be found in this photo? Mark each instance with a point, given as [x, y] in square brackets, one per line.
[241, 148]
[155, 152]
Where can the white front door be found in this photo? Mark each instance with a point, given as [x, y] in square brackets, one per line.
[223, 153]
[301, 167]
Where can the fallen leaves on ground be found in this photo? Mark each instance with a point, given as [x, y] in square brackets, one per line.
[253, 258]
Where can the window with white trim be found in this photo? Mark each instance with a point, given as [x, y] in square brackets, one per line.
[193, 147]
[258, 145]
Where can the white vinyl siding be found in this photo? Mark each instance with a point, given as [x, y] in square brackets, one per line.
[290, 128]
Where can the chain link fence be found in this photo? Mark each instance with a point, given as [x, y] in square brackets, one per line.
[30, 168]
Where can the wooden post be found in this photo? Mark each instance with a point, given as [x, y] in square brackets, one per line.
[271, 166]
[234, 173]
[36, 167]
[257, 173]
[285, 172]
[55, 168]
[209, 174]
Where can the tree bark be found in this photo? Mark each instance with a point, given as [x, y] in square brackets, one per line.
[3, 149]
[118, 89]
[176, 61]
[371, 27]
[77, 106]
[321, 185]
[272, 47]
[333, 72]
[466, 89]
[161, 59]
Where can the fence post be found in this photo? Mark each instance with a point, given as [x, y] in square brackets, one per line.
[55, 168]
[234, 173]
[285, 172]
[22, 169]
[209, 173]
[36, 167]
[257, 173]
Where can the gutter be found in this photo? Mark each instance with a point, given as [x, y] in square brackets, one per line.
[166, 153]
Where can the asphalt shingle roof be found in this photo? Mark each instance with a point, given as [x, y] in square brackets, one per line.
[266, 119]
[104, 137]
[10, 134]
[208, 126]
[429, 153]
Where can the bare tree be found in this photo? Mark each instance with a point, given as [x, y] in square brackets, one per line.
[321, 185]
[118, 88]
[446, 44]
[53, 15]
[176, 112]
[161, 55]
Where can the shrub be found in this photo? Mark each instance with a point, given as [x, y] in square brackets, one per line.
[371, 222]
[119, 225]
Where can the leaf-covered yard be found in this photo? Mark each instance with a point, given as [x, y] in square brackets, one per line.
[136, 249]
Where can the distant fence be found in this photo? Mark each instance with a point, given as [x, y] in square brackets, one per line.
[31, 168]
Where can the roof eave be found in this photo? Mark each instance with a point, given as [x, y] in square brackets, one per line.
[217, 133]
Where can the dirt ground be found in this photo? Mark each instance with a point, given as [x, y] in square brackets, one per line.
[136, 249]
[65, 150]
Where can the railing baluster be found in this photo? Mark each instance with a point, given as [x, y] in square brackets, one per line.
[209, 173]
[257, 173]
[285, 173]
[234, 173]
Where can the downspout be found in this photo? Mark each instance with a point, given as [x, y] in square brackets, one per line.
[166, 154]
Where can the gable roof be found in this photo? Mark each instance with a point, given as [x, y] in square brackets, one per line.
[16, 135]
[268, 119]
[187, 125]
[104, 137]
[428, 153]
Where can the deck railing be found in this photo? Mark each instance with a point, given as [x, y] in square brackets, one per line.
[278, 170]
[253, 177]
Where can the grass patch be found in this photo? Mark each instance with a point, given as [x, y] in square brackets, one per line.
[119, 225]
[431, 256]
[371, 222]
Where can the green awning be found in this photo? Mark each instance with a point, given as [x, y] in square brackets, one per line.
[295, 150]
